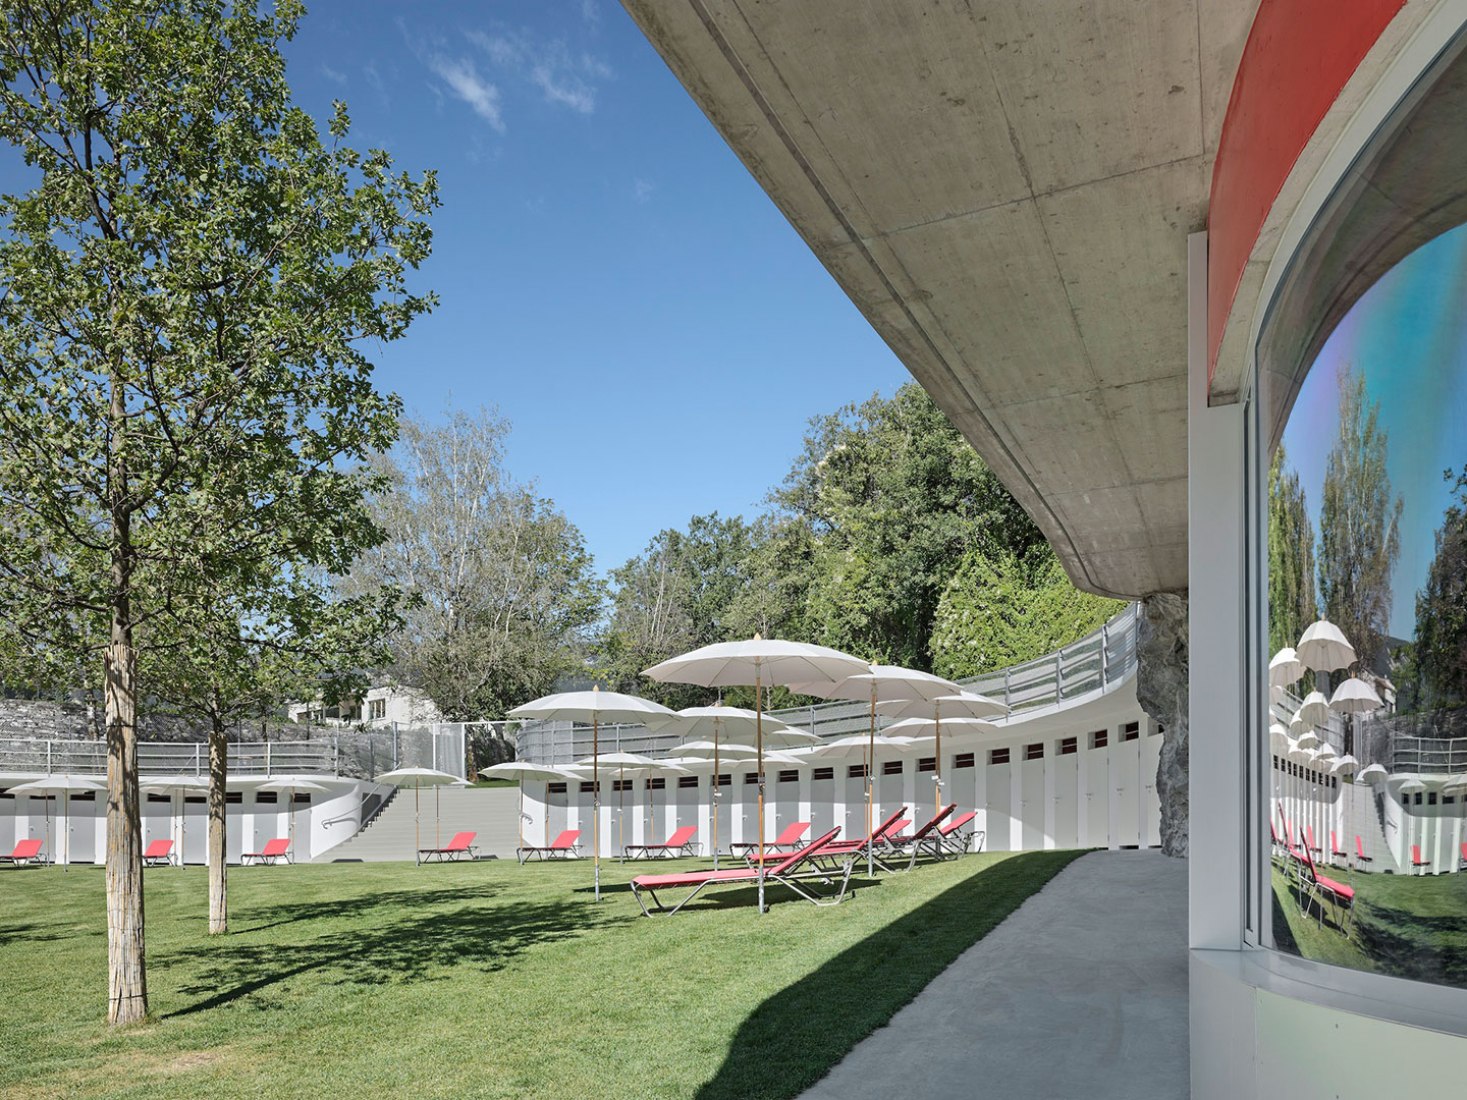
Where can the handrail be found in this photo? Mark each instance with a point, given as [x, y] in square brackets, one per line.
[1103, 657]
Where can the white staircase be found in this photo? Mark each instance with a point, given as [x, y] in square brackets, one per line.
[491, 812]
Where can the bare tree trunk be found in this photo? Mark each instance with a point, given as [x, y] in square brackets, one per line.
[218, 834]
[127, 980]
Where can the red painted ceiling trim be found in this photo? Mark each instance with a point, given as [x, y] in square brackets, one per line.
[1299, 55]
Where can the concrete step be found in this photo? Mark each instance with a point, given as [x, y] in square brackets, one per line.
[492, 812]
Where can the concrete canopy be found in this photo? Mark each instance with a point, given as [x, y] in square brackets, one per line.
[1005, 190]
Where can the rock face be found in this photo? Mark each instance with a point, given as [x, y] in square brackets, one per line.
[1161, 689]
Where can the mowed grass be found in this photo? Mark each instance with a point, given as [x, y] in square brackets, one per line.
[1407, 926]
[475, 980]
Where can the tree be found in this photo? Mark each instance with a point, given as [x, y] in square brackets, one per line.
[676, 595]
[1002, 611]
[1441, 606]
[500, 587]
[186, 286]
[1359, 524]
[892, 498]
[1292, 604]
[258, 644]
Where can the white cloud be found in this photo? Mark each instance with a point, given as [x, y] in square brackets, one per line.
[463, 80]
[642, 189]
[333, 75]
[558, 88]
[563, 79]
[591, 12]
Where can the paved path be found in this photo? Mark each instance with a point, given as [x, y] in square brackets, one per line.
[1081, 993]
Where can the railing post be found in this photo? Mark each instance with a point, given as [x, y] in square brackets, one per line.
[48, 757]
[1006, 692]
[267, 758]
[1105, 653]
[196, 759]
[335, 754]
[1059, 677]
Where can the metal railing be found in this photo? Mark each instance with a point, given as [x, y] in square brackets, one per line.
[1428, 755]
[246, 758]
[1099, 659]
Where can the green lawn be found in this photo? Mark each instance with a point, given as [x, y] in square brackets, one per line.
[365, 980]
[1407, 926]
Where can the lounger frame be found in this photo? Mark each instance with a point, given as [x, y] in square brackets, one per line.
[557, 850]
[786, 874]
[451, 851]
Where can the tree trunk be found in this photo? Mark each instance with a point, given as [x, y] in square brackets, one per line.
[127, 980]
[218, 829]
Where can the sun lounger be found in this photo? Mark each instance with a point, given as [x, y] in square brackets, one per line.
[1360, 856]
[566, 846]
[1416, 860]
[1335, 851]
[831, 855]
[158, 854]
[273, 852]
[958, 834]
[793, 871]
[461, 846]
[897, 836]
[927, 839]
[25, 852]
[1464, 853]
[1316, 888]
[681, 843]
[786, 841]
[1313, 847]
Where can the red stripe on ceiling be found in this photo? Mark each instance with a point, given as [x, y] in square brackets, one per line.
[1299, 55]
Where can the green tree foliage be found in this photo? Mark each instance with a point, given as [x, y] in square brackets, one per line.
[1002, 611]
[1441, 607]
[890, 498]
[187, 284]
[500, 588]
[1292, 604]
[1359, 524]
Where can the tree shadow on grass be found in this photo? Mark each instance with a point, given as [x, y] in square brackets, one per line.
[415, 947]
[794, 1038]
[283, 913]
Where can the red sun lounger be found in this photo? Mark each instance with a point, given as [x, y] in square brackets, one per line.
[1416, 860]
[461, 846]
[1309, 834]
[273, 852]
[158, 854]
[564, 847]
[1464, 853]
[897, 835]
[1317, 889]
[787, 840]
[959, 834]
[927, 839]
[681, 843]
[787, 872]
[831, 855]
[1335, 851]
[25, 852]
[1360, 856]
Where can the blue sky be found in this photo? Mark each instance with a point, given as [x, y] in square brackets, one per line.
[612, 279]
[1408, 335]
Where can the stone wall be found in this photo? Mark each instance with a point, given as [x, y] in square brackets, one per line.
[1161, 689]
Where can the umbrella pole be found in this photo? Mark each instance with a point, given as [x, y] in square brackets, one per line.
[522, 809]
[759, 745]
[417, 842]
[66, 837]
[596, 804]
[870, 788]
[437, 836]
[937, 760]
[621, 811]
[714, 798]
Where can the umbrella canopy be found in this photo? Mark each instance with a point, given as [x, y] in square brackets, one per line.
[1307, 740]
[1315, 709]
[736, 725]
[1286, 668]
[855, 747]
[884, 683]
[1275, 693]
[1371, 773]
[1324, 648]
[596, 706]
[964, 704]
[1355, 696]
[1278, 738]
[174, 783]
[961, 728]
[1455, 783]
[761, 662]
[1300, 755]
[1346, 766]
[62, 785]
[710, 748]
[418, 778]
[1325, 754]
[1410, 786]
[519, 769]
[1297, 725]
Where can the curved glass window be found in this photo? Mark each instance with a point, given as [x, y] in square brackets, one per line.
[1367, 623]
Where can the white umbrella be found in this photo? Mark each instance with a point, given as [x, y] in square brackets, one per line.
[1315, 709]
[1410, 786]
[945, 708]
[290, 787]
[417, 778]
[1307, 740]
[1275, 693]
[1324, 648]
[521, 771]
[1278, 738]
[890, 684]
[1297, 725]
[1346, 766]
[761, 663]
[62, 785]
[1371, 773]
[637, 765]
[730, 726]
[1285, 668]
[1455, 783]
[596, 706]
[1355, 696]
[1325, 754]
[183, 784]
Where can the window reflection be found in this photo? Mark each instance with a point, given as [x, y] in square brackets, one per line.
[1367, 555]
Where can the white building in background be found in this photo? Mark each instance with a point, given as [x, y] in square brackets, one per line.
[379, 708]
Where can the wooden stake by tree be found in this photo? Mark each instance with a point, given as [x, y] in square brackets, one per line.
[183, 292]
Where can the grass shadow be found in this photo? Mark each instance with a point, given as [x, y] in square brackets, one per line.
[794, 1038]
[274, 916]
[416, 948]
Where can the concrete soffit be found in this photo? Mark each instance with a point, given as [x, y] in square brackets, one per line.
[1005, 190]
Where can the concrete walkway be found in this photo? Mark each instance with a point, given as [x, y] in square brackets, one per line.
[1081, 993]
